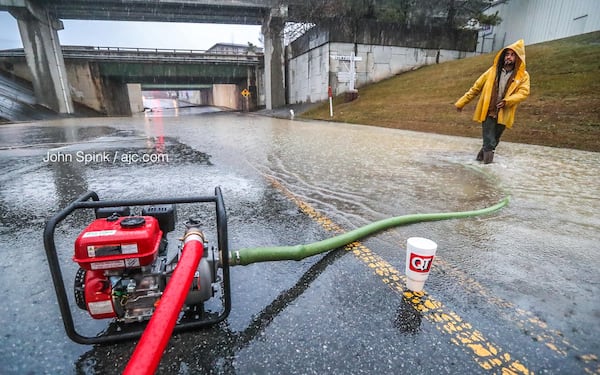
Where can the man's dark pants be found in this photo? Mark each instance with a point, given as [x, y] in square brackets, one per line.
[491, 132]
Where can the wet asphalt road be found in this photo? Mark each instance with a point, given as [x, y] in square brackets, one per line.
[516, 291]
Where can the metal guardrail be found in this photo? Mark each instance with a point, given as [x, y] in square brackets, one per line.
[149, 54]
[130, 49]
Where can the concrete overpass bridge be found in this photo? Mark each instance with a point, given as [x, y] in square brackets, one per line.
[39, 21]
[107, 78]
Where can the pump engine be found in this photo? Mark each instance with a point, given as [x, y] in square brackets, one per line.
[128, 272]
[125, 264]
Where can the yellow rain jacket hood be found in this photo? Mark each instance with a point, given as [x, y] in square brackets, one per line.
[517, 91]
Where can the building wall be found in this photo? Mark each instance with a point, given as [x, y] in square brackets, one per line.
[538, 21]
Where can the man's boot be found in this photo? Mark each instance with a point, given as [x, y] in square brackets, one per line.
[479, 155]
[488, 157]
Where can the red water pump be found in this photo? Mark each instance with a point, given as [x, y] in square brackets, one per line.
[125, 265]
[122, 275]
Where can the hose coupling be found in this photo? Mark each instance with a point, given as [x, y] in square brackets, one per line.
[193, 232]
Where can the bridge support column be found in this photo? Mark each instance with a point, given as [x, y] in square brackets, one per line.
[272, 30]
[115, 96]
[44, 57]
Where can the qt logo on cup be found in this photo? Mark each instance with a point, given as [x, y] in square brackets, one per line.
[420, 253]
[420, 263]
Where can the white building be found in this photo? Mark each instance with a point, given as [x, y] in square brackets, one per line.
[538, 21]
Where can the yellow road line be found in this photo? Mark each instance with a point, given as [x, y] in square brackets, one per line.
[486, 354]
[527, 322]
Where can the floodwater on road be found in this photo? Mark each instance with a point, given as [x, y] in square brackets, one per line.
[516, 290]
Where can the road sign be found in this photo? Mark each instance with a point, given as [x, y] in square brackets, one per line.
[245, 93]
[347, 57]
[350, 74]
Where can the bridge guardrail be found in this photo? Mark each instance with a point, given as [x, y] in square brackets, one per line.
[147, 54]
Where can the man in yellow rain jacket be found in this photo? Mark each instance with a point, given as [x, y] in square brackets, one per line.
[502, 87]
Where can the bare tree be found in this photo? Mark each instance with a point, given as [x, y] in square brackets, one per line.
[349, 14]
[459, 12]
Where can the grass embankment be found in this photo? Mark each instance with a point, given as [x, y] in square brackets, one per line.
[563, 109]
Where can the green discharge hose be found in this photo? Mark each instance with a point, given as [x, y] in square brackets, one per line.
[265, 254]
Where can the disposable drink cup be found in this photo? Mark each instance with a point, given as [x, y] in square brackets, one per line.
[419, 258]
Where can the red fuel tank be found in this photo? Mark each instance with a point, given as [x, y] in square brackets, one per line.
[118, 243]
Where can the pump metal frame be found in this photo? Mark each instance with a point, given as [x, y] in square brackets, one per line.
[90, 200]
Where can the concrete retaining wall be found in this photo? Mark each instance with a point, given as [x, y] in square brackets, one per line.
[84, 86]
[311, 73]
[136, 100]
[226, 95]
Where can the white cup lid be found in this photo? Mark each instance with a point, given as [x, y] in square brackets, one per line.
[421, 243]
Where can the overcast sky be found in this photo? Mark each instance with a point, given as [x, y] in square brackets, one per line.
[138, 34]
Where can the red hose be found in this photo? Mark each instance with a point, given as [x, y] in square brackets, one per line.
[150, 348]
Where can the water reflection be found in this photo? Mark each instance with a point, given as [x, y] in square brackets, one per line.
[154, 108]
[530, 253]
[154, 129]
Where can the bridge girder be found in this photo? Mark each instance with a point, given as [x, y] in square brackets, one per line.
[249, 12]
[173, 73]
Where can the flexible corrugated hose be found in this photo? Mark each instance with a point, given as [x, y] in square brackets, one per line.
[247, 256]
